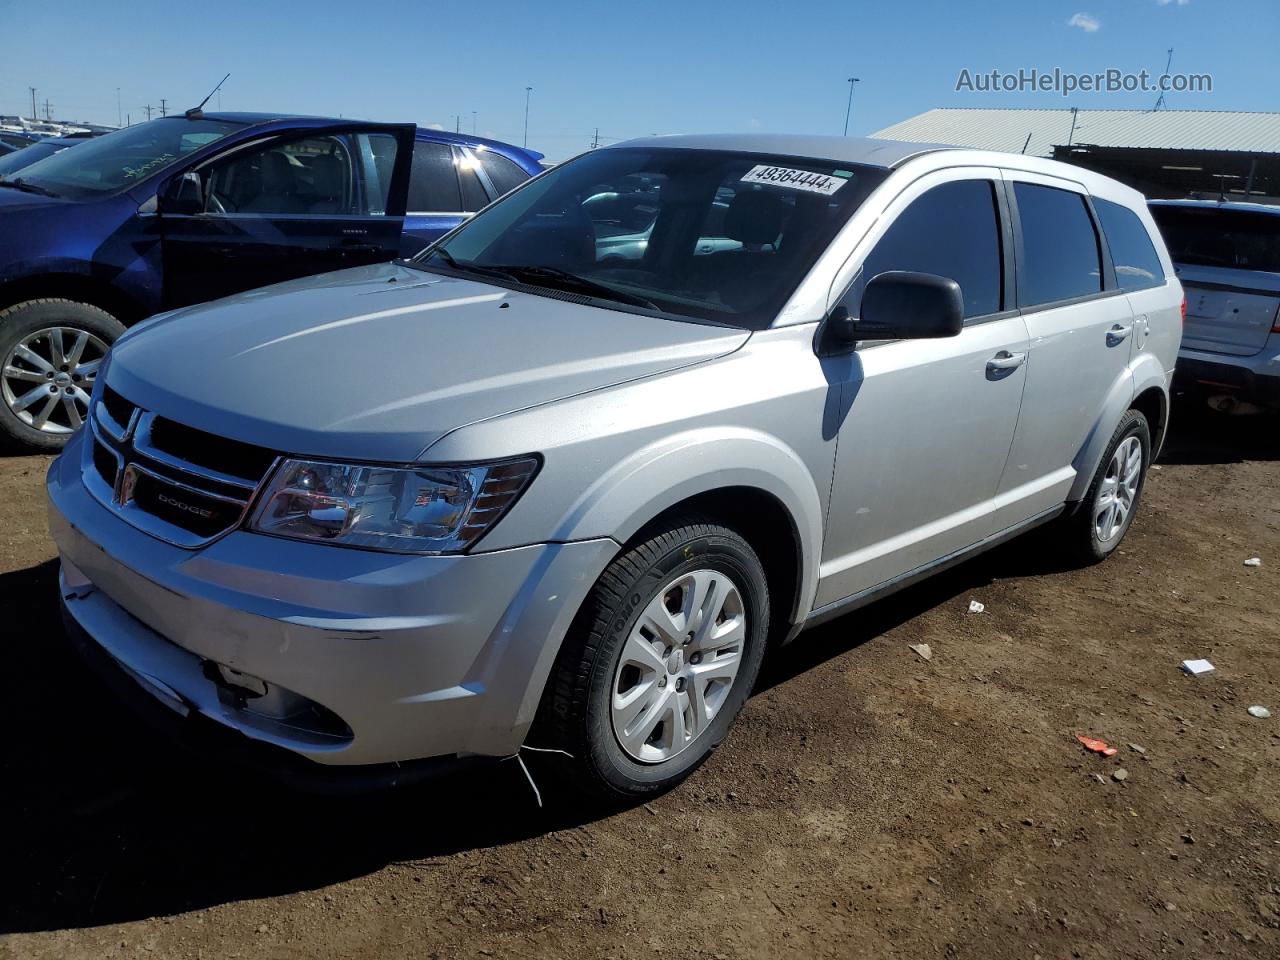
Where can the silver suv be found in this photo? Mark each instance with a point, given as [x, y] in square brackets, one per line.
[517, 492]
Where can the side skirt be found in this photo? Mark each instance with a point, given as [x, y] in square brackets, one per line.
[871, 594]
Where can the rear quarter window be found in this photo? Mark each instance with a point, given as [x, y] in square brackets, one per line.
[1132, 252]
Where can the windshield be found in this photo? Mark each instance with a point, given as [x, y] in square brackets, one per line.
[123, 158]
[1208, 237]
[29, 155]
[704, 234]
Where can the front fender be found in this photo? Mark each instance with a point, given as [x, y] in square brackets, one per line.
[1144, 373]
[659, 476]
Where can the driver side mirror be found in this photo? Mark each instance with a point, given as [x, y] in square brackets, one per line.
[900, 305]
[184, 195]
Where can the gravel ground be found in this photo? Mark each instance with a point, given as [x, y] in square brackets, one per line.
[867, 804]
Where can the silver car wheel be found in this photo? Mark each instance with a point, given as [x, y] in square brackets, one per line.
[48, 376]
[1118, 490]
[678, 665]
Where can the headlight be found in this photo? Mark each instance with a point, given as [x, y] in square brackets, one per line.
[400, 509]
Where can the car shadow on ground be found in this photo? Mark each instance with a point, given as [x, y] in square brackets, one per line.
[1202, 436]
[104, 821]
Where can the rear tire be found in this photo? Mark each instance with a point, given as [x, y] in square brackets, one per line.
[50, 353]
[1105, 514]
[639, 697]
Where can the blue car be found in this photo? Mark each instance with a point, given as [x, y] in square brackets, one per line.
[189, 208]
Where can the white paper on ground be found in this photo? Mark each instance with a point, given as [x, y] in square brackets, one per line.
[1196, 667]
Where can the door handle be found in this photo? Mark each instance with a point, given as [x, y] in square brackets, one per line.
[1118, 334]
[1004, 363]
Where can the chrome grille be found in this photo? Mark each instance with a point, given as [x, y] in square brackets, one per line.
[175, 482]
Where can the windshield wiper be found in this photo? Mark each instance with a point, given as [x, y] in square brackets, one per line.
[19, 184]
[499, 272]
[558, 279]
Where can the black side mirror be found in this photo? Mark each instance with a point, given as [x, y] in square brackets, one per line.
[184, 194]
[905, 305]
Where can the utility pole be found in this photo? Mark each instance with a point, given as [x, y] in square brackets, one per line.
[849, 109]
[119, 115]
[47, 111]
[163, 107]
[148, 108]
[595, 141]
[457, 123]
[527, 92]
[473, 123]
[33, 102]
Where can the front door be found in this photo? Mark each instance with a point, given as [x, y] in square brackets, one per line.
[287, 206]
[929, 423]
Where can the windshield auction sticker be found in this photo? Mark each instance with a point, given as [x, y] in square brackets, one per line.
[794, 179]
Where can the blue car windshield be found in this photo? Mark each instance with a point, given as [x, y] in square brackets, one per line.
[710, 235]
[121, 159]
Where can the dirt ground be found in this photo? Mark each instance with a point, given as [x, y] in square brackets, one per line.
[867, 804]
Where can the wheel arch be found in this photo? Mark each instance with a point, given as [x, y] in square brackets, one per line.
[1143, 386]
[748, 480]
[78, 287]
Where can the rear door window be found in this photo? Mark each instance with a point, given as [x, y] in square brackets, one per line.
[473, 193]
[433, 181]
[1060, 255]
[953, 231]
[1132, 252]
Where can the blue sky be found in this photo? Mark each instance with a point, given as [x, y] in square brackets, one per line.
[629, 69]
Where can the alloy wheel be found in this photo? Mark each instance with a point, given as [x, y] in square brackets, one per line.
[678, 665]
[1118, 491]
[48, 377]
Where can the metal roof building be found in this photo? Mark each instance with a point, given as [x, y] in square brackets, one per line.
[1163, 153]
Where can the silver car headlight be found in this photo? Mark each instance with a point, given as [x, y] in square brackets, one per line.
[422, 509]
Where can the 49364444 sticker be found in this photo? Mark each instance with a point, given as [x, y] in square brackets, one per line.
[805, 180]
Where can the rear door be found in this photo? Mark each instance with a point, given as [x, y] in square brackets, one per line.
[289, 205]
[1229, 265]
[1081, 329]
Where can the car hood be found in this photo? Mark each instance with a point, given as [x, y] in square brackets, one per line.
[377, 363]
[12, 200]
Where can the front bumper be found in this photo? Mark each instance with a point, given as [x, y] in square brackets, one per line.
[392, 658]
[1255, 378]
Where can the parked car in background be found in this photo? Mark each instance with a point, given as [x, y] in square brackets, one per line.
[19, 159]
[518, 491]
[1228, 258]
[190, 208]
[11, 141]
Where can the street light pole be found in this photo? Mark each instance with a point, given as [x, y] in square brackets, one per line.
[527, 92]
[119, 114]
[849, 109]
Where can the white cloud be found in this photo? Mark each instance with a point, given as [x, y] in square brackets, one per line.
[1181, 3]
[1085, 22]
[435, 126]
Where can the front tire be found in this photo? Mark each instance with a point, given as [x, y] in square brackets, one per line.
[1103, 518]
[50, 353]
[659, 661]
